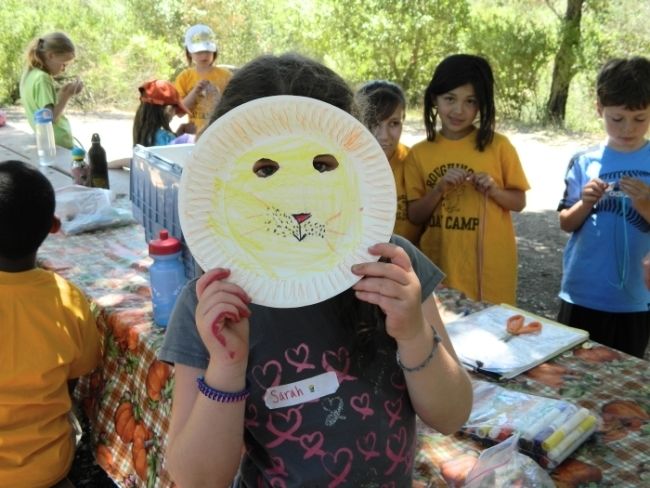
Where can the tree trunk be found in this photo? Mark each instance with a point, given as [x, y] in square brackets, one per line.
[563, 68]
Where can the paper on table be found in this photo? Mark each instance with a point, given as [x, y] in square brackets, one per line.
[478, 341]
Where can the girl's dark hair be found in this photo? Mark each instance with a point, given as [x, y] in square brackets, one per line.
[26, 209]
[624, 82]
[294, 74]
[458, 70]
[287, 74]
[378, 100]
[148, 119]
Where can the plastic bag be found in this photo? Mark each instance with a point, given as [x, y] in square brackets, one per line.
[548, 430]
[503, 465]
[82, 209]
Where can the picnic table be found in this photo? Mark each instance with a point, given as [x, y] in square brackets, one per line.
[128, 400]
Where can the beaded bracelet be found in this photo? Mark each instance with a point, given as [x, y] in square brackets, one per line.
[220, 396]
[423, 364]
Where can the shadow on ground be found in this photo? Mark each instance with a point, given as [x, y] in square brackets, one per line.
[540, 243]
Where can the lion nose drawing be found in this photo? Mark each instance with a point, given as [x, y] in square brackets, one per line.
[301, 217]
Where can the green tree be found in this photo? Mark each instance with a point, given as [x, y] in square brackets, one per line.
[564, 68]
[400, 41]
[518, 48]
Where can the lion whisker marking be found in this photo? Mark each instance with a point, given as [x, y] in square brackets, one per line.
[252, 231]
[333, 217]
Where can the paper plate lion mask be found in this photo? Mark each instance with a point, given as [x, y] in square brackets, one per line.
[288, 193]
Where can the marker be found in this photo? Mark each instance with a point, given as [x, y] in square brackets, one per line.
[574, 439]
[565, 429]
[557, 410]
[543, 434]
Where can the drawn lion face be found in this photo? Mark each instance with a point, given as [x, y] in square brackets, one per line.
[288, 193]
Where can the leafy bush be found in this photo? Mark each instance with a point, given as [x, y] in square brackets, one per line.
[518, 49]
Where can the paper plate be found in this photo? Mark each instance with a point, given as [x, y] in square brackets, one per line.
[254, 200]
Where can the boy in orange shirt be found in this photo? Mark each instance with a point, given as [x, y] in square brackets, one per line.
[49, 338]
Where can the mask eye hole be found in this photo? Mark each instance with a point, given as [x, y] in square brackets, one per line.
[264, 168]
[325, 162]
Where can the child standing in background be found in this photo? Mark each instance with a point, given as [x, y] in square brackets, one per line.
[201, 84]
[159, 102]
[606, 208]
[49, 338]
[219, 402]
[384, 108]
[47, 57]
[463, 182]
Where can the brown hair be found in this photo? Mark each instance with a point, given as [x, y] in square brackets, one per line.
[188, 57]
[55, 42]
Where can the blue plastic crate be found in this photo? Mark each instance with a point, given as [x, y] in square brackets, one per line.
[155, 178]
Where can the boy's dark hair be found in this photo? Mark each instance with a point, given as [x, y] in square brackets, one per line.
[287, 74]
[624, 82]
[294, 74]
[26, 209]
[379, 99]
[148, 119]
[458, 70]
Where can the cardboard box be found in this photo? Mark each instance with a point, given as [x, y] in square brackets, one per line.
[155, 179]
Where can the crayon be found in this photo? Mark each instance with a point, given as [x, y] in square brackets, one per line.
[574, 439]
[565, 429]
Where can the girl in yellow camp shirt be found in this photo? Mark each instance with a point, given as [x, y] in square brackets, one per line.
[463, 182]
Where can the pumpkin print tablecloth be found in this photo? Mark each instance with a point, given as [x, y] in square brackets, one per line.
[128, 400]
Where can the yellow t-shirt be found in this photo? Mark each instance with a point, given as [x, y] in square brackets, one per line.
[49, 336]
[202, 110]
[403, 225]
[467, 226]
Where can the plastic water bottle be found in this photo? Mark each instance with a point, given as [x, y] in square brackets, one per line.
[79, 168]
[45, 145]
[167, 276]
[98, 164]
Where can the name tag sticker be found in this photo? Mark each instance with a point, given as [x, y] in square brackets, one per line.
[301, 391]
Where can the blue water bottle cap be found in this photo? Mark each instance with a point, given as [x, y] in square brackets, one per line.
[78, 153]
[43, 116]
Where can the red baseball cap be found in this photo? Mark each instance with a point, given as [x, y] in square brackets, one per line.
[161, 92]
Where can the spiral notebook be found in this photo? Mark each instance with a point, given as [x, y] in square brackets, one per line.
[483, 345]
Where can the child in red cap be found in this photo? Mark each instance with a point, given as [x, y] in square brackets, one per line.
[159, 102]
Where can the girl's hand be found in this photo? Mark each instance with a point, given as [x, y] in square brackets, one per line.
[71, 88]
[202, 87]
[484, 183]
[593, 191]
[222, 317]
[452, 178]
[395, 288]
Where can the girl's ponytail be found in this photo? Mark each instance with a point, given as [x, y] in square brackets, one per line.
[54, 42]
